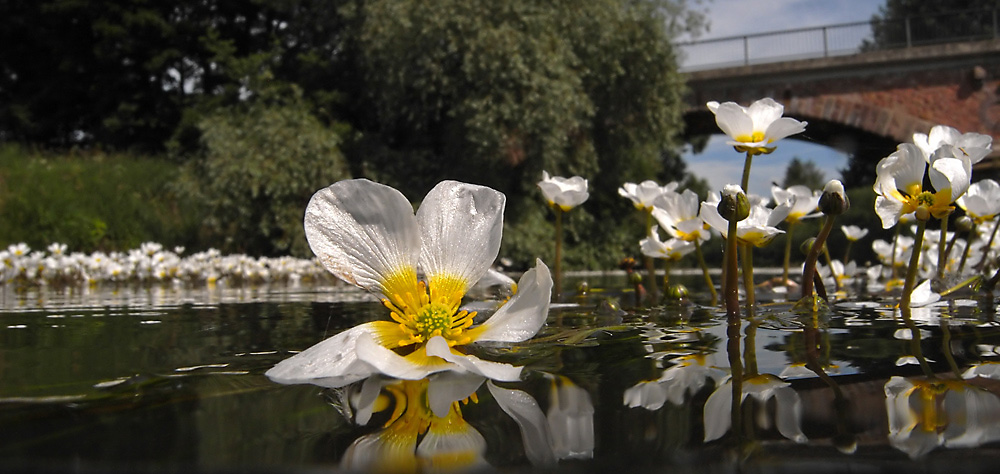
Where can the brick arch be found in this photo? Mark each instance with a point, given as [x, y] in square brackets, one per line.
[894, 124]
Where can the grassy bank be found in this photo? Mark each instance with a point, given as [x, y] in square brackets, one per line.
[89, 201]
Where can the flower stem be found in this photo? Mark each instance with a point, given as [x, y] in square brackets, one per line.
[809, 270]
[730, 287]
[892, 258]
[833, 272]
[557, 274]
[911, 271]
[942, 248]
[746, 172]
[847, 251]
[970, 237]
[748, 277]
[705, 273]
[986, 250]
[666, 275]
[650, 267]
[788, 252]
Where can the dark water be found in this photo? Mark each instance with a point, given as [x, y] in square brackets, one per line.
[168, 379]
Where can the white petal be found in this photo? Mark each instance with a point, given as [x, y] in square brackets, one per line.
[733, 120]
[949, 173]
[784, 127]
[789, 416]
[330, 363]
[362, 232]
[445, 388]
[525, 313]
[888, 210]
[764, 112]
[460, 228]
[529, 418]
[438, 347]
[718, 410]
[394, 365]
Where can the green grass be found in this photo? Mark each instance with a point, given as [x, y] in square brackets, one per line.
[89, 201]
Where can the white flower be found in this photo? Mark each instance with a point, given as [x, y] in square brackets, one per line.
[757, 229]
[645, 193]
[974, 145]
[853, 232]
[754, 128]
[562, 192]
[981, 201]
[925, 414]
[678, 214]
[762, 388]
[801, 200]
[684, 379]
[366, 234]
[673, 249]
[899, 184]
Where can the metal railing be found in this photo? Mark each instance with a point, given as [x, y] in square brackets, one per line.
[838, 40]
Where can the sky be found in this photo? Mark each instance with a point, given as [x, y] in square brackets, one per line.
[719, 163]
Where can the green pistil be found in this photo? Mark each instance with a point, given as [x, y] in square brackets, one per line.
[433, 320]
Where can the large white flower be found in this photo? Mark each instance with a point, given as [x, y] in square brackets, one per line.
[900, 177]
[754, 128]
[562, 192]
[366, 234]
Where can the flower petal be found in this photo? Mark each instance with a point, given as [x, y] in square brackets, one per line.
[717, 411]
[460, 229]
[363, 232]
[438, 347]
[529, 418]
[446, 388]
[414, 366]
[331, 363]
[733, 120]
[524, 314]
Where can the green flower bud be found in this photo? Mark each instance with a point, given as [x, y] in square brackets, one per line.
[963, 224]
[634, 278]
[734, 204]
[922, 213]
[834, 201]
[677, 291]
[807, 245]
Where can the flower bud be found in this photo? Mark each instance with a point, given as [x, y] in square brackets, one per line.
[834, 200]
[922, 213]
[634, 278]
[964, 224]
[677, 291]
[734, 204]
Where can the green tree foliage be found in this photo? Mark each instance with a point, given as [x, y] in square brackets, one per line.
[805, 173]
[496, 92]
[121, 73]
[915, 22]
[262, 161]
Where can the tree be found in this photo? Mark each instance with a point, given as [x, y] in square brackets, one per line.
[805, 173]
[910, 22]
[496, 92]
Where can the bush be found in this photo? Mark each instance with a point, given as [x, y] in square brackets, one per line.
[260, 165]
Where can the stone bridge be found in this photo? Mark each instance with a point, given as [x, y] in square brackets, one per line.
[866, 103]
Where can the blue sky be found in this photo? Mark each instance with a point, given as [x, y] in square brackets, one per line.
[719, 163]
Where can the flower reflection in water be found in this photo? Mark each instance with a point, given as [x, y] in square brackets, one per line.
[762, 387]
[925, 414]
[684, 379]
[427, 431]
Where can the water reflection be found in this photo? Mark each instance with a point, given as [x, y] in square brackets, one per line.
[677, 387]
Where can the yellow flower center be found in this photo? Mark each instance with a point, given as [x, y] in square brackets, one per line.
[423, 312]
